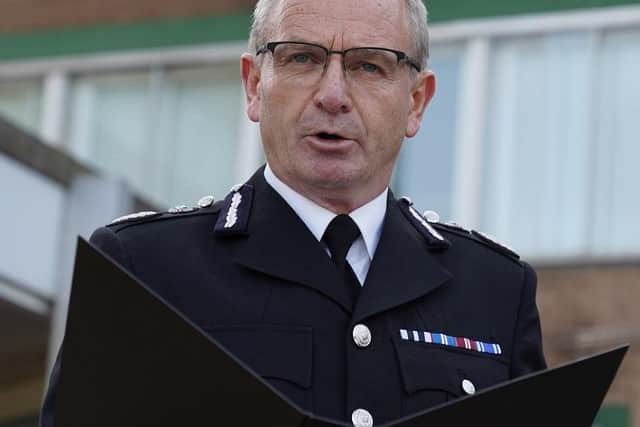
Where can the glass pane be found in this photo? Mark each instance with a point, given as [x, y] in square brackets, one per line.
[202, 112]
[20, 103]
[111, 123]
[172, 134]
[538, 150]
[616, 194]
[425, 166]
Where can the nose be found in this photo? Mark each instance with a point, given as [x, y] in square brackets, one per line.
[332, 94]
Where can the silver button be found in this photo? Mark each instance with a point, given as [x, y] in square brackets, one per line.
[206, 201]
[362, 418]
[468, 387]
[361, 336]
[431, 216]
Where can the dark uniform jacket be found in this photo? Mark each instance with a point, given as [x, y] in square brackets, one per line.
[442, 304]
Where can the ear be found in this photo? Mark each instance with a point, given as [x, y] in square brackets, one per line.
[421, 93]
[250, 71]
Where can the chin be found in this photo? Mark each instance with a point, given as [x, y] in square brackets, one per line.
[332, 178]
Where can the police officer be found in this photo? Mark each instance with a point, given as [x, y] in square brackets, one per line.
[342, 296]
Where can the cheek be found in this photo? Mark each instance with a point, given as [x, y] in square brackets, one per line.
[386, 121]
[282, 106]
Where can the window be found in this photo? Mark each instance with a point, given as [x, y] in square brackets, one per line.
[426, 165]
[171, 132]
[538, 146]
[616, 195]
[561, 149]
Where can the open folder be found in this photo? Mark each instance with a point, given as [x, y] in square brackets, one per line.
[130, 359]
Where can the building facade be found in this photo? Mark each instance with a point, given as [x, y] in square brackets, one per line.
[532, 137]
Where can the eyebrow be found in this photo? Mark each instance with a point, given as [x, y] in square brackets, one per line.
[301, 40]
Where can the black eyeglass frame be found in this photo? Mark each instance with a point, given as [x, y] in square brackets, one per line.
[402, 57]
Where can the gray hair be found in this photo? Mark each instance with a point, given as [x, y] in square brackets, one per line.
[416, 17]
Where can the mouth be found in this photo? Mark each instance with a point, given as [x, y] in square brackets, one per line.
[330, 142]
[329, 136]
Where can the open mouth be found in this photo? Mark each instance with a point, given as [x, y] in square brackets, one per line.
[329, 136]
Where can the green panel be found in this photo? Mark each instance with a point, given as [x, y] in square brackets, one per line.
[613, 416]
[446, 10]
[208, 29]
[175, 32]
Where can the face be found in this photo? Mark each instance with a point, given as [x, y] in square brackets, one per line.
[336, 141]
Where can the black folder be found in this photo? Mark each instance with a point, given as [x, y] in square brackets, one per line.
[130, 359]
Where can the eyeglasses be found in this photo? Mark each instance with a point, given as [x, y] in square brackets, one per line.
[308, 61]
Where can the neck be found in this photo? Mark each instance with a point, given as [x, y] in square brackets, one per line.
[339, 200]
[339, 204]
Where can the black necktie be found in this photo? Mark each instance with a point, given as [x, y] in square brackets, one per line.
[339, 236]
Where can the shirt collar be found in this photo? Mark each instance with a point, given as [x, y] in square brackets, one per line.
[368, 217]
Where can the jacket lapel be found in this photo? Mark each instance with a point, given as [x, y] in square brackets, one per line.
[279, 244]
[402, 270]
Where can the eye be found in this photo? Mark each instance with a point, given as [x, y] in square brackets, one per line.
[300, 58]
[370, 62]
[369, 67]
[297, 55]
[306, 57]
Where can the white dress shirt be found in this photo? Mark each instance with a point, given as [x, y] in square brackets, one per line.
[368, 218]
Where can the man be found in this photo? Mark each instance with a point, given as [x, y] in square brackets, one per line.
[386, 313]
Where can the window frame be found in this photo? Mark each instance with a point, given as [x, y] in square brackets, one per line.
[57, 73]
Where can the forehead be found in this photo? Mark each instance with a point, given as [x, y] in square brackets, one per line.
[342, 24]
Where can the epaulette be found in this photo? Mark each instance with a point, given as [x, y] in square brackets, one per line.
[235, 212]
[434, 239]
[205, 203]
[477, 236]
[135, 217]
